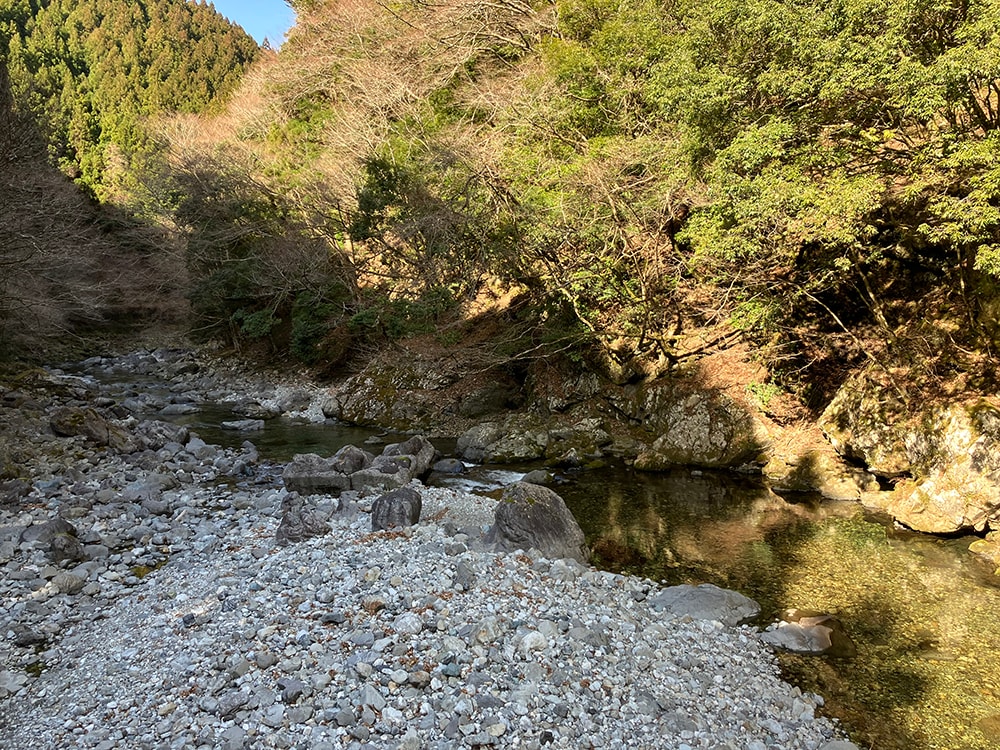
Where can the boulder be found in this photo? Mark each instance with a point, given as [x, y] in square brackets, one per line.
[385, 472]
[350, 459]
[950, 451]
[449, 466]
[420, 450]
[71, 421]
[244, 425]
[299, 520]
[308, 473]
[256, 410]
[531, 516]
[400, 396]
[396, 509]
[705, 602]
[695, 427]
[155, 434]
[817, 467]
[58, 537]
[511, 441]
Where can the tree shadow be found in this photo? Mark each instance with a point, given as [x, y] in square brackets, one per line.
[698, 526]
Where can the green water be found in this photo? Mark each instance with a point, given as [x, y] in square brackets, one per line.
[921, 611]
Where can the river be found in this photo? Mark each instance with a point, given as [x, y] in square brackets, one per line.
[921, 611]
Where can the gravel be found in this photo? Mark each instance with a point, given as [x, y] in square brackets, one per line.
[184, 625]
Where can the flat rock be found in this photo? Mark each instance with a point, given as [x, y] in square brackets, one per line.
[705, 602]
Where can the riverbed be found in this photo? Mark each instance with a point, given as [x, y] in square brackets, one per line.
[919, 610]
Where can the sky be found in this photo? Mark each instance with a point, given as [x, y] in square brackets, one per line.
[259, 18]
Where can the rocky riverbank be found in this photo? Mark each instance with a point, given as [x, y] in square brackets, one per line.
[146, 603]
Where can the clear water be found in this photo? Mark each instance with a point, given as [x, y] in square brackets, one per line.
[921, 610]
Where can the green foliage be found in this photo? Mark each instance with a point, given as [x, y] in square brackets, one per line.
[313, 315]
[93, 70]
[255, 325]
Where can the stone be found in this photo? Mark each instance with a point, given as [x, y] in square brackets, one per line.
[512, 441]
[951, 451]
[694, 427]
[59, 537]
[705, 602]
[291, 689]
[68, 583]
[155, 434]
[311, 474]
[420, 450]
[988, 549]
[70, 421]
[409, 623]
[243, 425]
[449, 466]
[370, 696]
[396, 509]
[531, 516]
[807, 632]
[299, 521]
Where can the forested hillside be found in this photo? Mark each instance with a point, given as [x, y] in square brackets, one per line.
[821, 177]
[92, 71]
[80, 85]
[636, 181]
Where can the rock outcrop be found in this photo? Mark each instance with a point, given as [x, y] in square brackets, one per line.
[947, 454]
[695, 427]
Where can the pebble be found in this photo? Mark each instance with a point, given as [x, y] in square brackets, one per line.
[189, 627]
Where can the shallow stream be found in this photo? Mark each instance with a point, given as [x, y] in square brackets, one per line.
[921, 611]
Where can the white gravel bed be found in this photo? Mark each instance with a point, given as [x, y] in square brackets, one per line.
[420, 639]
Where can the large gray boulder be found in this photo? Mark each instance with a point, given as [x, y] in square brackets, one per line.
[396, 509]
[705, 602]
[309, 473]
[420, 450]
[531, 516]
[70, 421]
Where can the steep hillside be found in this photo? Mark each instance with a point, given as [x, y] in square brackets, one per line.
[819, 177]
[81, 243]
[92, 71]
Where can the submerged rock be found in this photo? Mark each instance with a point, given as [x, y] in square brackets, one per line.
[807, 632]
[705, 602]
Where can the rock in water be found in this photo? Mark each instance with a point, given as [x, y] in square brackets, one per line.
[298, 522]
[396, 509]
[706, 602]
[529, 515]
